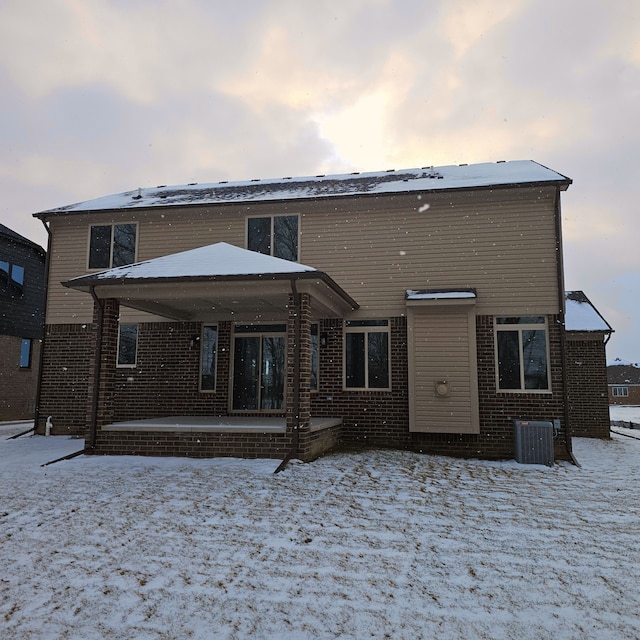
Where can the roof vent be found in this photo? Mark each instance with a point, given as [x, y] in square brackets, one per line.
[193, 184]
[138, 196]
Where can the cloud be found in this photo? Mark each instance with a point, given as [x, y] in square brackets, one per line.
[108, 95]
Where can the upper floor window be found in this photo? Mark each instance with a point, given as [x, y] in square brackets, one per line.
[522, 352]
[274, 236]
[366, 354]
[11, 278]
[112, 245]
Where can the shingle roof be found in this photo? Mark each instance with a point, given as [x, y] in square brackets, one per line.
[623, 374]
[485, 175]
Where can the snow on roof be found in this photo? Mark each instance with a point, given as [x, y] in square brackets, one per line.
[220, 259]
[434, 294]
[518, 172]
[581, 315]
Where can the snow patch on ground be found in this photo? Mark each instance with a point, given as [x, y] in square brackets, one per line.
[359, 545]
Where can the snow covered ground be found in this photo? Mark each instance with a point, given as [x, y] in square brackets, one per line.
[628, 414]
[382, 544]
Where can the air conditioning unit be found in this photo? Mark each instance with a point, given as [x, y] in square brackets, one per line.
[534, 441]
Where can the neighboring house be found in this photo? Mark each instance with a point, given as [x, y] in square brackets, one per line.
[624, 383]
[421, 309]
[587, 334]
[22, 268]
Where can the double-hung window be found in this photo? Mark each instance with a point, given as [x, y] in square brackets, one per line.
[127, 345]
[112, 245]
[366, 354]
[208, 357]
[522, 353]
[274, 236]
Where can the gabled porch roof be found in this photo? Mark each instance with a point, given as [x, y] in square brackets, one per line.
[218, 281]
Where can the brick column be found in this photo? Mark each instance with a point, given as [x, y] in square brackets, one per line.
[107, 346]
[297, 390]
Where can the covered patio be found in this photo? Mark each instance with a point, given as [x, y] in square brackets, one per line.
[234, 287]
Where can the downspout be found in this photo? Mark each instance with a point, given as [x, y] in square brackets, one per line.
[36, 413]
[296, 381]
[93, 426]
[563, 338]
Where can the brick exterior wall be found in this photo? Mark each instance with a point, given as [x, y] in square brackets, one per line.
[633, 399]
[165, 382]
[587, 388]
[64, 384]
[381, 419]
[19, 385]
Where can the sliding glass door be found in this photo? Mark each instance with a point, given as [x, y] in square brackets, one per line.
[258, 367]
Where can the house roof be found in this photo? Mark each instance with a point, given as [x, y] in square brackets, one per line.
[623, 373]
[425, 179]
[581, 314]
[16, 237]
[214, 281]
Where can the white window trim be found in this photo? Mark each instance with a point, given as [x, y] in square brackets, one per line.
[215, 369]
[108, 224]
[272, 216]
[521, 327]
[135, 360]
[317, 389]
[620, 391]
[366, 330]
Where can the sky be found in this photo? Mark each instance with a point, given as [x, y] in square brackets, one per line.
[104, 96]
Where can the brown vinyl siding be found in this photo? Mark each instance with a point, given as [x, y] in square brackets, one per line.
[442, 348]
[501, 242]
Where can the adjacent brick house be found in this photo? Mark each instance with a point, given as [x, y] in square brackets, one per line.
[22, 267]
[420, 309]
[624, 383]
[587, 334]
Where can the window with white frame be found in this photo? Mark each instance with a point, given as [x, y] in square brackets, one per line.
[522, 353]
[208, 357]
[112, 245]
[315, 357]
[127, 345]
[366, 354]
[274, 236]
[620, 392]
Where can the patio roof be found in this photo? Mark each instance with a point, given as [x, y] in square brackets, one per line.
[218, 281]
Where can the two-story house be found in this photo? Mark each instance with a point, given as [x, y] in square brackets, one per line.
[22, 266]
[421, 309]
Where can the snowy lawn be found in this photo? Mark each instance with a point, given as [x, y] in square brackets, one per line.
[360, 545]
[626, 413]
